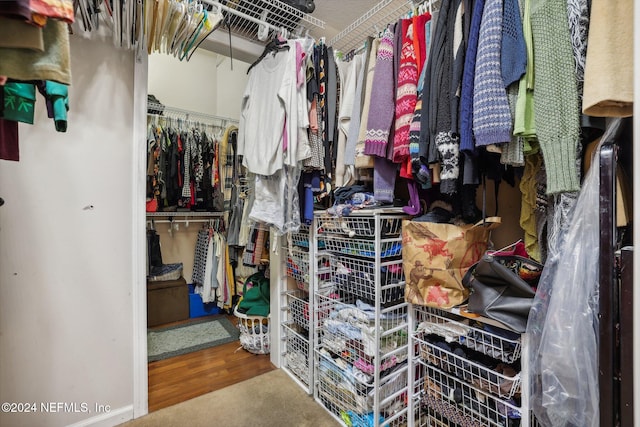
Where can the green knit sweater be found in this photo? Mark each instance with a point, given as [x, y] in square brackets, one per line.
[556, 105]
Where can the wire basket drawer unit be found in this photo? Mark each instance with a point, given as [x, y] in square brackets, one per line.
[460, 403]
[498, 379]
[298, 305]
[364, 248]
[296, 351]
[346, 327]
[298, 263]
[298, 267]
[489, 340]
[358, 277]
[356, 226]
[303, 239]
[352, 396]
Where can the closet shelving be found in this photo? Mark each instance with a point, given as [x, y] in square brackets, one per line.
[255, 20]
[307, 266]
[373, 22]
[466, 371]
[361, 330]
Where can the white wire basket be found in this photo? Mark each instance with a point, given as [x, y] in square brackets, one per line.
[255, 334]
[345, 394]
[482, 377]
[494, 342]
[455, 402]
[363, 247]
[296, 351]
[358, 277]
[360, 226]
[298, 267]
[298, 304]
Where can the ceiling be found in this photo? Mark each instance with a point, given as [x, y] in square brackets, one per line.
[337, 16]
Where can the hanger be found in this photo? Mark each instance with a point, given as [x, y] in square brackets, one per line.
[274, 46]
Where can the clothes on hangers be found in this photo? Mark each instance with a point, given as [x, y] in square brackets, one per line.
[183, 169]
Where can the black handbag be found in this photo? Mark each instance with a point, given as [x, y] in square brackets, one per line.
[502, 288]
[154, 254]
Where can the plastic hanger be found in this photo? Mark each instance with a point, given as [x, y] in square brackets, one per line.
[275, 45]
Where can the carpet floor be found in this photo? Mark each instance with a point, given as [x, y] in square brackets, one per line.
[198, 334]
[268, 400]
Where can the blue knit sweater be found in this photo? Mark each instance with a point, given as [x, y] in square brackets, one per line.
[492, 123]
[466, 94]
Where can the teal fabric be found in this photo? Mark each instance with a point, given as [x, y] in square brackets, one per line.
[19, 101]
[58, 94]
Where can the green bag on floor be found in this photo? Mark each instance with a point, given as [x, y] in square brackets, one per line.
[255, 296]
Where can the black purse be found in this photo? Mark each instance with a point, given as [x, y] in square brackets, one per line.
[502, 288]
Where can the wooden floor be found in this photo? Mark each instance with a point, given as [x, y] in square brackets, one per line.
[190, 375]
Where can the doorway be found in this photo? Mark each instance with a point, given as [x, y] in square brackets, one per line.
[193, 86]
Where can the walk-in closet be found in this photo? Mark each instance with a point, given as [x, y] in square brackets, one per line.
[403, 213]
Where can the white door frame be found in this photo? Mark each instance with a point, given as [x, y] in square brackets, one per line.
[139, 263]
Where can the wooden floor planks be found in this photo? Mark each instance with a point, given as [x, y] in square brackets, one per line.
[191, 375]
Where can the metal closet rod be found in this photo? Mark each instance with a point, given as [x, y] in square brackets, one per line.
[189, 115]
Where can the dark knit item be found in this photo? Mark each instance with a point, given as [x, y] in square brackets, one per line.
[556, 94]
[514, 50]
[443, 99]
[382, 106]
[492, 123]
[448, 147]
[467, 142]
[406, 95]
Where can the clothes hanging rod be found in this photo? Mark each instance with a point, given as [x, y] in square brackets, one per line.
[180, 221]
[186, 214]
[189, 115]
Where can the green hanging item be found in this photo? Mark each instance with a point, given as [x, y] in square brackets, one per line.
[19, 101]
[255, 296]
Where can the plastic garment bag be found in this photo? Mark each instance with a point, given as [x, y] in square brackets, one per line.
[563, 325]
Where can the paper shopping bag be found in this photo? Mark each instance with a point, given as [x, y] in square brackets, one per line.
[436, 256]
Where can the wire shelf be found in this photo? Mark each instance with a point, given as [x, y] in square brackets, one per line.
[301, 238]
[296, 351]
[458, 402]
[358, 277]
[342, 392]
[441, 355]
[253, 19]
[493, 342]
[371, 23]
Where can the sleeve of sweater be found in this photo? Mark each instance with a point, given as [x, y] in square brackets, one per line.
[556, 94]
[467, 143]
[382, 106]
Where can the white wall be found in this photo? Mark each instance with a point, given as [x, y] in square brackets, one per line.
[189, 85]
[230, 86]
[66, 272]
